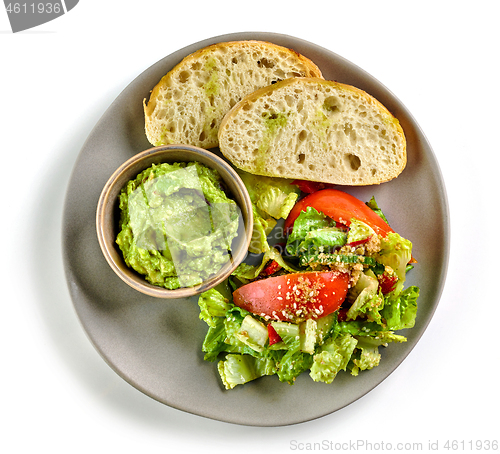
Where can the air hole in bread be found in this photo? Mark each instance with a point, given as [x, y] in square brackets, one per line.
[203, 136]
[247, 106]
[280, 74]
[374, 171]
[354, 161]
[303, 135]
[196, 65]
[376, 127]
[184, 76]
[311, 166]
[331, 104]
[269, 116]
[290, 100]
[301, 158]
[265, 63]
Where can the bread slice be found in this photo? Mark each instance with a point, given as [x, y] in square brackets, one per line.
[189, 102]
[317, 130]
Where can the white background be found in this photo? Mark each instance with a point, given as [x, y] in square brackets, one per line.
[439, 58]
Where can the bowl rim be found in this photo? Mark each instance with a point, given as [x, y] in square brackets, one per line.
[134, 279]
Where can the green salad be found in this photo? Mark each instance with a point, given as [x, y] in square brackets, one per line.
[325, 291]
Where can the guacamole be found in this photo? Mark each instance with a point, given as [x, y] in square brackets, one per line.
[177, 224]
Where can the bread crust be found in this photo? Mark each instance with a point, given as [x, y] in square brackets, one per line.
[189, 102]
[317, 130]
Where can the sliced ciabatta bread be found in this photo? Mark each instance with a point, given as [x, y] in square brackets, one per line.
[313, 129]
[189, 102]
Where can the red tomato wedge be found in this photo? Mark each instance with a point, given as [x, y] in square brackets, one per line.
[293, 297]
[274, 337]
[341, 207]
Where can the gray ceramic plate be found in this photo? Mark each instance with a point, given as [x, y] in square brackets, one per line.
[155, 345]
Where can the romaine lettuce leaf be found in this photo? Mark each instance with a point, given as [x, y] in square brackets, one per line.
[212, 304]
[333, 357]
[368, 300]
[314, 233]
[250, 272]
[262, 227]
[272, 199]
[292, 364]
[276, 203]
[367, 355]
[400, 311]
[253, 333]
[237, 369]
[374, 206]
[274, 196]
[395, 252]
[213, 343]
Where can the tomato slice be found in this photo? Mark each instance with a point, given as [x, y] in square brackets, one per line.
[294, 297]
[341, 207]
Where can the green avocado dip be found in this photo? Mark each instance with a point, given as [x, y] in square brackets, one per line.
[177, 224]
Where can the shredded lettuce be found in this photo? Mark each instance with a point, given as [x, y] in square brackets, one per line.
[273, 196]
[248, 272]
[395, 253]
[238, 369]
[333, 357]
[368, 300]
[262, 227]
[212, 304]
[400, 311]
[272, 199]
[314, 233]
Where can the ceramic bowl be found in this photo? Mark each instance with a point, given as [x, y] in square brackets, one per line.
[108, 214]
